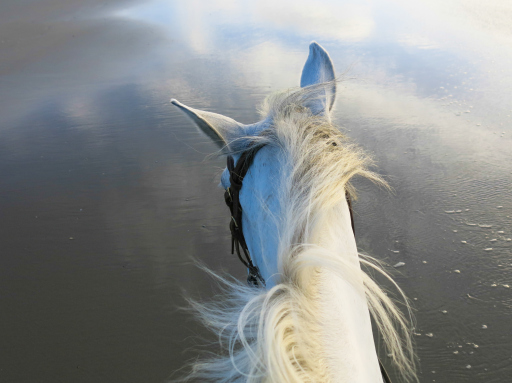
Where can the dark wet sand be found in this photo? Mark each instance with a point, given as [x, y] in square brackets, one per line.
[106, 191]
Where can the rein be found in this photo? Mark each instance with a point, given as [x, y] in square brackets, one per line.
[232, 198]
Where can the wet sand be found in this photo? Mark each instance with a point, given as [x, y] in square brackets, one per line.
[107, 192]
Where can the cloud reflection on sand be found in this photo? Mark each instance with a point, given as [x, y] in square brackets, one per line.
[91, 148]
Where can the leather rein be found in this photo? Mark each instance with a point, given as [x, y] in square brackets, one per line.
[232, 198]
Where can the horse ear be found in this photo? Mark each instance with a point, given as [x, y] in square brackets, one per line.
[221, 129]
[318, 70]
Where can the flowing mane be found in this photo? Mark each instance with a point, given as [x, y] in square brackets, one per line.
[272, 335]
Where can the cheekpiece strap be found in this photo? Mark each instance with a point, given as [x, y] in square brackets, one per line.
[232, 198]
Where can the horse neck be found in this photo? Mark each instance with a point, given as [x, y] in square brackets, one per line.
[346, 338]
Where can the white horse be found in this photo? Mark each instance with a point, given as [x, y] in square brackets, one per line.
[307, 319]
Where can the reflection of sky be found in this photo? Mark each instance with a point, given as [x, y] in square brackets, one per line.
[426, 49]
[331, 20]
[430, 49]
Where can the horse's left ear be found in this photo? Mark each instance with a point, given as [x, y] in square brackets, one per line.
[221, 129]
[318, 70]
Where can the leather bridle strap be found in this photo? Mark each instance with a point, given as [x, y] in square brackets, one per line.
[232, 198]
[384, 373]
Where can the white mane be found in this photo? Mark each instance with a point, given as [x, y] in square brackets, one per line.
[272, 335]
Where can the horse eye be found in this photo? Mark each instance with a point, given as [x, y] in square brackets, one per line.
[334, 144]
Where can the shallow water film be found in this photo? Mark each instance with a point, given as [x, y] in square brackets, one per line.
[107, 191]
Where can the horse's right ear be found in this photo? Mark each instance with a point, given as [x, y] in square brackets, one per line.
[319, 70]
[221, 129]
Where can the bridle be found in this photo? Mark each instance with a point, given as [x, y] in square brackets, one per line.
[232, 198]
